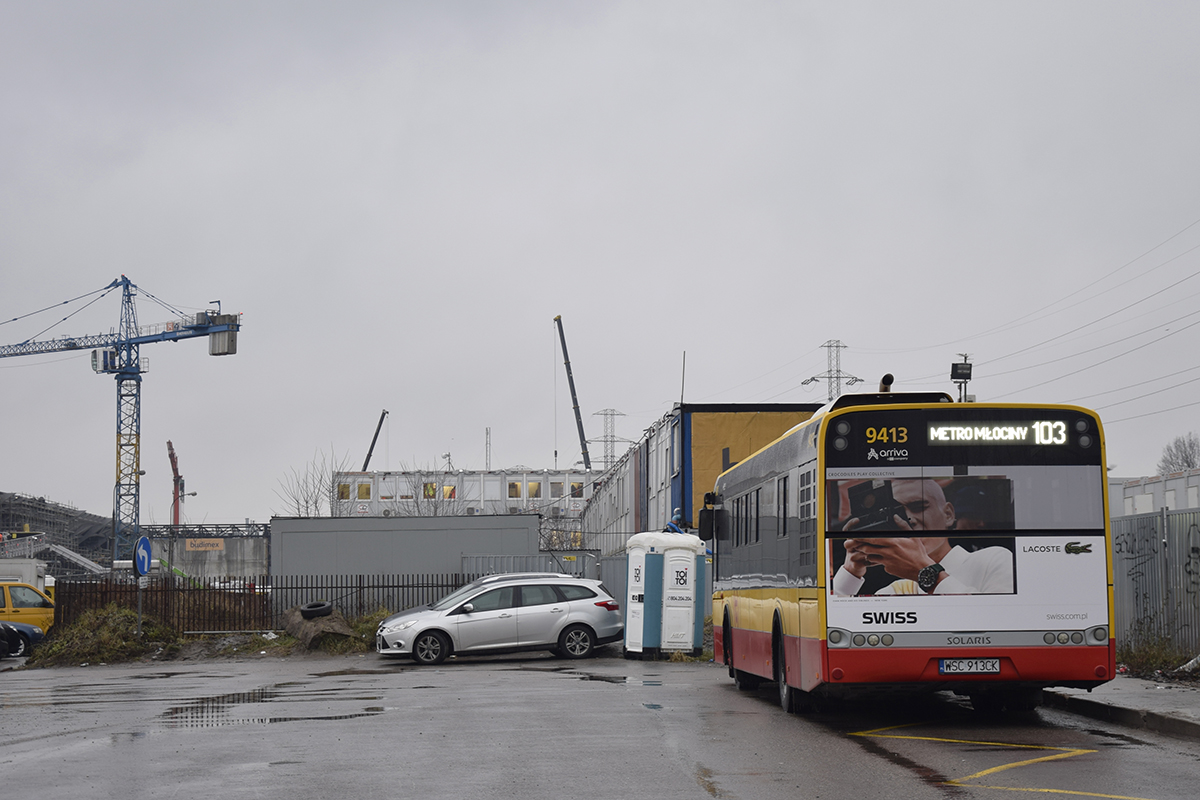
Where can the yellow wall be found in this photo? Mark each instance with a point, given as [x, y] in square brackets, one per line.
[742, 433]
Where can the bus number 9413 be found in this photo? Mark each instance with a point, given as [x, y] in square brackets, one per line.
[887, 435]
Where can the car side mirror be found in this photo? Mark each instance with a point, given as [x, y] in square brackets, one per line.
[466, 608]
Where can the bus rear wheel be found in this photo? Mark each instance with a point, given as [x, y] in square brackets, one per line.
[745, 681]
[727, 645]
[787, 695]
[1015, 700]
[1023, 699]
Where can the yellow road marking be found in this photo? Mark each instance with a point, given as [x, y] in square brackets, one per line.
[1062, 753]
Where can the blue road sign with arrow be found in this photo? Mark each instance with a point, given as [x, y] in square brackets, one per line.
[141, 557]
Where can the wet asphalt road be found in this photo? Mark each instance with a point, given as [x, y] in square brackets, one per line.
[533, 727]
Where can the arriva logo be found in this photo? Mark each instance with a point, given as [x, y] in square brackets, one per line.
[887, 455]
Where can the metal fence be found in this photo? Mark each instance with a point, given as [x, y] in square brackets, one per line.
[581, 563]
[250, 604]
[1156, 578]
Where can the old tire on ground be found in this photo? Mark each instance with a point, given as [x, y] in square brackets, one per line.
[314, 610]
[430, 648]
[577, 641]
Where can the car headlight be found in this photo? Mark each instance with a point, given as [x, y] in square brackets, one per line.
[399, 626]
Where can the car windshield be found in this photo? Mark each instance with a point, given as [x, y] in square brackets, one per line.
[454, 598]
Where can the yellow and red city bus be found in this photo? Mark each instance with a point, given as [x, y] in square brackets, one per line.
[907, 542]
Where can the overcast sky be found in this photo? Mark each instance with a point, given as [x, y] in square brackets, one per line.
[400, 197]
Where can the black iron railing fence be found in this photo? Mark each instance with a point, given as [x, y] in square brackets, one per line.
[227, 605]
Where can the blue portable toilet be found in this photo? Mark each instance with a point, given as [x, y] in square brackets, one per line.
[664, 602]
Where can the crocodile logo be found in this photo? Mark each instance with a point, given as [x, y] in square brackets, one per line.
[1075, 548]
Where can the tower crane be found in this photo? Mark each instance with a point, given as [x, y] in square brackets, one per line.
[117, 354]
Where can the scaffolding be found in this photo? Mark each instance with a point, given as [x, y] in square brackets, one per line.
[68, 539]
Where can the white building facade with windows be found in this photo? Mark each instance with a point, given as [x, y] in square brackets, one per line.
[555, 494]
[1179, 491]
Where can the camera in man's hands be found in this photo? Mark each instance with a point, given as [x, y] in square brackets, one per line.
[872, 504]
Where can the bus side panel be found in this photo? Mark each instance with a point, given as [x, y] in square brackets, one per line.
[752, 652]
[1049, 665]
[810, 647]
[812, 661]
[751, 648]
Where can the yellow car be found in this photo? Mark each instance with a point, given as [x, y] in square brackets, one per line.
[20, 602]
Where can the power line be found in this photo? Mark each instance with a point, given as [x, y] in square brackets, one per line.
[1090, 349]
[1013, 323]
[1140, 383]
[1148, 394]
[1105, 361]
[1151, 413]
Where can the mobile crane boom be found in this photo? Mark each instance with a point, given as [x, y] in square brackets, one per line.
[374, 439]
[587, 461]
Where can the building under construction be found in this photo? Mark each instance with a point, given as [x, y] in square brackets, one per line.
[56, 532]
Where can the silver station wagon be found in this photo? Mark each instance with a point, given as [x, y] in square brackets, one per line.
[505, 613]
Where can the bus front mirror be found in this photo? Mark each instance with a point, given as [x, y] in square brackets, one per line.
[706, 524]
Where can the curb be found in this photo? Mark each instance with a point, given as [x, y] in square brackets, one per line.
[1130, 717]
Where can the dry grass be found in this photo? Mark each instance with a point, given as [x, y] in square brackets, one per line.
[105, 636]
[1153, 656]
[108, 635]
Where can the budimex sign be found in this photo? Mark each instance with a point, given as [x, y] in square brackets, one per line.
[204, 545]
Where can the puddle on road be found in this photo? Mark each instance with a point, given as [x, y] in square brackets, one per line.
[214, 712]
[926, 774]
[621, 680]
[1120, 737]
[341, 672]
[154, 676]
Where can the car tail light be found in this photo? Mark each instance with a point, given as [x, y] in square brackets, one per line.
[610, 605]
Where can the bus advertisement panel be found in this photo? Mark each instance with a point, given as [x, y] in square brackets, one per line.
[920, 549]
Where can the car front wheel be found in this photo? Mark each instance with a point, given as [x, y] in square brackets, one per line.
[430, 648]
[22, 648]
[576, 641]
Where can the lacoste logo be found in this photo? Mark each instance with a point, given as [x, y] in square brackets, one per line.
[1075, 548]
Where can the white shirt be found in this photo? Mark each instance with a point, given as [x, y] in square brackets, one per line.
[986, 571]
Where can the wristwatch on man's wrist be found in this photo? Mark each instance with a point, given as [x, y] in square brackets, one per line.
[927, 578]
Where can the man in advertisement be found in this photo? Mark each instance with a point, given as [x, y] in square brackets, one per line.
[920, 564]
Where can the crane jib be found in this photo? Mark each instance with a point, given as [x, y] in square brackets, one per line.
[117, 354]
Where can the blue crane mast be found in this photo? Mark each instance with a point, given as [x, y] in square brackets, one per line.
[117, 354]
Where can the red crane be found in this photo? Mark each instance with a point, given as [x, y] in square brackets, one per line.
[178, 485]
